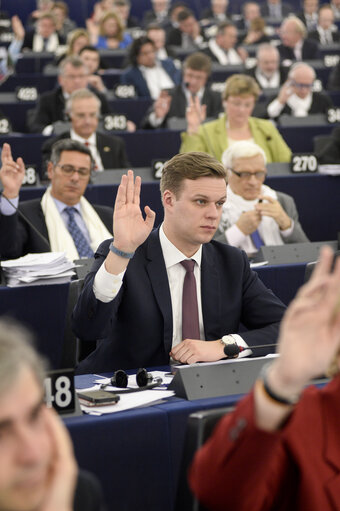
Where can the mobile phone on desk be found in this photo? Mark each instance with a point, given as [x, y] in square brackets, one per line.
[98, 398]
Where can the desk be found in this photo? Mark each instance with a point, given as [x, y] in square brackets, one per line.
[137, 453]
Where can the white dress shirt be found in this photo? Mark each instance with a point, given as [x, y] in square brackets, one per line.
[156, 79]
[91, 143]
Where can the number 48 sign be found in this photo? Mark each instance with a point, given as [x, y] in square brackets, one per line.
[59, 390]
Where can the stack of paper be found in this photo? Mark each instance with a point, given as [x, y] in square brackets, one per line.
[33, 269]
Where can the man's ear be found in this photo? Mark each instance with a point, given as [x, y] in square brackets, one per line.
[49, 170]
[168, 199]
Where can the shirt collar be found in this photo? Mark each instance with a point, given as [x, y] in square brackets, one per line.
[171, 253]
[91, 140]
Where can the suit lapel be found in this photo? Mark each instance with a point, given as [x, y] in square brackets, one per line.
[160, 285]
[210, 293]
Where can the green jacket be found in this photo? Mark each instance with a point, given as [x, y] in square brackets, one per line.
[212, 139]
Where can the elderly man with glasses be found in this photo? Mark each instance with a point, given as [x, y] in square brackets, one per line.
[296, 96]
[254, 214]
[62, 220]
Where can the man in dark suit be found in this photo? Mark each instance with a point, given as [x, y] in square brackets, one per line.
[223, 48]
[268, 73]
[294, 45]
[43, 38]
[326, 32]
[166, 292]
[159, 13]
[83, 108]
[309, 14]
[73, 75]
[38, 466]
[296, 97]
[216, 13]
[275, 9]
[188, 35]
[51, 220]
[173, 104]
[146, 74]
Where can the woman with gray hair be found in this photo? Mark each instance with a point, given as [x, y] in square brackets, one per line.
[255, 214]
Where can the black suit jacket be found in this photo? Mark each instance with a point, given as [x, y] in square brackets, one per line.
[51, 108]
[321, 102]
[29, 36]
[310, 51]
[111, 149]
[334, 78]
[136, 327]
[18, 238]
[330, 154]
[282, 70]
[178, 105]
[285, 9]
[315, 35]
[88, 495]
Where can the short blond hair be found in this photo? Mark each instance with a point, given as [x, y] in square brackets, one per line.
[241, 85]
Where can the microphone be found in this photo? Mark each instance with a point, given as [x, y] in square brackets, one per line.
[232, 350]
[20, 213]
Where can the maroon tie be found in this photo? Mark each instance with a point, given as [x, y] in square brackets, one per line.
[190, 323]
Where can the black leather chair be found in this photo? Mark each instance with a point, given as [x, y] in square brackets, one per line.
[199, 428]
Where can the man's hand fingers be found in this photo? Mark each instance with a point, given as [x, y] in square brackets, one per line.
[6, 153]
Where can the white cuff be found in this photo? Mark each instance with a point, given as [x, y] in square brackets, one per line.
[235, 236]
[287, 232]
[275, 108]
[5, 207]
[106, 286]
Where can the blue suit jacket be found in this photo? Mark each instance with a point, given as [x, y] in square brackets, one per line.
[136, 327]
[134, 76]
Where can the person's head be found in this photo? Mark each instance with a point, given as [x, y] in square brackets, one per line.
[219, 6]
[60, 12]
[46, 25]
[335, 3]
[157, 35]
[292, 31]
[196, 71]
[44, 5]
[193, 188]
[251, 10]
[302, 78]
[91, 58]
[187, 22]
[310, 6]
[142, 52]
[326, 16]
[175, 9]
[239, 97]
[83, 108]
[226, 36]
[257, 25]
[245, 163]
[76, 40]
[268, 59]
[69, 170]
[111, 26]
[73, 74]
[122, 8]
[25, 442]
[160, 5]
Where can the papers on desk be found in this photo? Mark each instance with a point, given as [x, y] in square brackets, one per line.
[133, 400]
[34, 269]
[331, 169]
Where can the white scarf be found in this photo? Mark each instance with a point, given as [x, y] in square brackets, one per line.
[235, 205]
[52, 44]
[300, 106]
[60, 239]
[224, 57]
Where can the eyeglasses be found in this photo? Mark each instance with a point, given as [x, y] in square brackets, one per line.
[302, 85]
[69, 170]
[261, 174]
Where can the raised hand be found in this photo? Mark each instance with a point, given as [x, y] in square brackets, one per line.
[195, 115]
[11, 173]
[310, 332]
[130, 229]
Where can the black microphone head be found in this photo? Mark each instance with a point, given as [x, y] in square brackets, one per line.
[231, 350]
[119, 379]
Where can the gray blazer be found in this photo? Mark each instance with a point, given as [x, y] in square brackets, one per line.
[287, 202]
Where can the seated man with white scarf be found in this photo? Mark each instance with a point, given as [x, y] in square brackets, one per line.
[254, 214]
[296, 96]
[62, 220]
